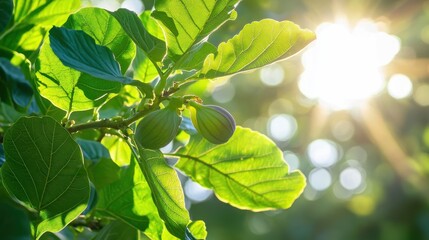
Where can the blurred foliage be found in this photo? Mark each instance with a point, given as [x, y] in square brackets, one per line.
[389, 206]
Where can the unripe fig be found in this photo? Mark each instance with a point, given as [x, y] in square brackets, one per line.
[158, 128]
[213, 122]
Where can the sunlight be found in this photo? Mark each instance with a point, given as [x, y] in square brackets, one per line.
[344, 66]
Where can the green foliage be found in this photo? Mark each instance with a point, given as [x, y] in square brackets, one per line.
[109, 120]
[258, 44]
[252, 175]
[40, 156]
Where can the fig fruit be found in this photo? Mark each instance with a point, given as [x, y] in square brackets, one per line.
[213, 122]
[158, 128]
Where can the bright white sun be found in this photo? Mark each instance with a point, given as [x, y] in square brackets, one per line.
[343, 67]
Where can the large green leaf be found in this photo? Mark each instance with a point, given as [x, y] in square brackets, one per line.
[126, 199]
[248, 171]
[258, 44]
[31, 18]
[166, 190]
[188, 22]
[78, 50]
[41, 156]
[69, 89]
[6, 10]
[133, 26]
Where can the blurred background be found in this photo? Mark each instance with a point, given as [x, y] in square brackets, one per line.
[351, 112]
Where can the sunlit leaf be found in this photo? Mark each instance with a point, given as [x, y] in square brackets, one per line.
[118, 148]
[69, 89]
[78, 50]
[40, 156]
[144, 70]
[126, 199]
[32, 18]
[247, 172]
[166, 190]
[6, 10]
[196, 231]
[188, 22]
[133, 26]
[43, 12]
[258, 44]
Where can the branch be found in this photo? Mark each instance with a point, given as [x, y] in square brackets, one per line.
[119, 124]
[108, 123]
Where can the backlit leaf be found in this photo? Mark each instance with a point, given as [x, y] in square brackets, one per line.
[144, 70]
[32, 18]
[196, 231]
[41, 156]
[258, 44]
[126, 199]
[247, 172]
[166, 190]
[118, 148]
[188, 22]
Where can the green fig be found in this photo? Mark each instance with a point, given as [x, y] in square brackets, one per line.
[158, 128]
[213, 122]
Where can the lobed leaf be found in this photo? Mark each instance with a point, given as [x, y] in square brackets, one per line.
[166, 190]
[247, 172]
[258, 44]
[188, 22]
[41, 156]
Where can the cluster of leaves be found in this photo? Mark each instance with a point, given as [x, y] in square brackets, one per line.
[72, 97]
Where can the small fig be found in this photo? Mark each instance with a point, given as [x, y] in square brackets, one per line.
[158, 128]
[213, 122]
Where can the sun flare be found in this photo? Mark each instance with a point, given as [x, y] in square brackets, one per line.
[344, 66]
